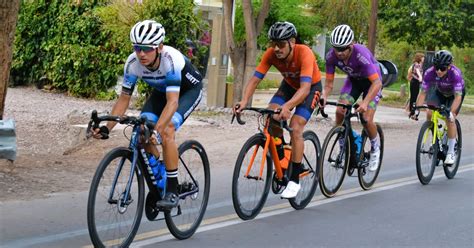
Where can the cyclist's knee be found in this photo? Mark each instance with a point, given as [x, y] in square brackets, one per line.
[168, 134]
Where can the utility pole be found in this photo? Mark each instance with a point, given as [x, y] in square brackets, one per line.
[373, 25]
[8, 16]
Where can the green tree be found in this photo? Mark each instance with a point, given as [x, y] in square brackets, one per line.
[306, 20]
[354, 13]
[429, 23]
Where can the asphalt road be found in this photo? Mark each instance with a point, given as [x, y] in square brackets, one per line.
[398, 211]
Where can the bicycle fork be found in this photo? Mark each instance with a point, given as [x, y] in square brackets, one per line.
[124, 199]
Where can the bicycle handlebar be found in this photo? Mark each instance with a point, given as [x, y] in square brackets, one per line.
[442, 109]
[262, 111]
[348, 107]
[96, 120]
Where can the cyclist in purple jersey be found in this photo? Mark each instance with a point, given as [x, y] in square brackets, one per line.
[363, 77]
[443, 84]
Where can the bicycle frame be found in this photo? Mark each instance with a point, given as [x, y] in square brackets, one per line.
[348, 129]
[437, 134]
[269, 143]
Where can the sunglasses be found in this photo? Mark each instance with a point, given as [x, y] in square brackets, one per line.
[146, 49]
[279, 44]
[341, 49]
[441, 67]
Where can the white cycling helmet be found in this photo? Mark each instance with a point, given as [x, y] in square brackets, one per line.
[342, 36]
[147, 32]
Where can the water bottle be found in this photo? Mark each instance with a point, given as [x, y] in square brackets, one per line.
[159, 172]
[357, 141]
[279, 147]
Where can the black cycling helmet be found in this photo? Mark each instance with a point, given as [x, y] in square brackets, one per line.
[442, 58]
[281, 31]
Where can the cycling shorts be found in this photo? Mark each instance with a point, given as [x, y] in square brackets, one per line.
[354, 87]
[188, 101]
[436, 98]
[304, 109]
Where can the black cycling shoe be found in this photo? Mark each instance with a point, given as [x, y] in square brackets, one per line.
[169, 201]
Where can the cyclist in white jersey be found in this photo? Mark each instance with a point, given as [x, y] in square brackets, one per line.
[177, 90]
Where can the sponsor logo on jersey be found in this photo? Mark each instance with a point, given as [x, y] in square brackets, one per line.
[191, 78]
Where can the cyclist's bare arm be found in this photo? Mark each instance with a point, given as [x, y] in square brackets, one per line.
[456, 102]
[328, 85]
[421, 98]
[299, 96]
[248, 92]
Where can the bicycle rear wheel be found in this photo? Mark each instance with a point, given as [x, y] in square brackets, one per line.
[366, 177]
[194, 184]
[450, 171]
[426, 153]
[249, 193]
[334, 161]
[113, 220]
[310, 175]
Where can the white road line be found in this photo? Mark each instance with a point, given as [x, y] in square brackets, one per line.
[279, 209]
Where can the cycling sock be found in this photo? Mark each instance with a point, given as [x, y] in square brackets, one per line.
[374, 144]
[295, 173]
[451, 144]
[172, 181]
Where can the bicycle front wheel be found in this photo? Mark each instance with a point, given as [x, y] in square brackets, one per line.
[194, 185]
[114, 211]
[366, 177]
[451, 170]
[251, 180]
[310, 175]
[426, 153]
[334, 161]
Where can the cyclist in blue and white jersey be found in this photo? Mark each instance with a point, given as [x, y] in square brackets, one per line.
[177, 90]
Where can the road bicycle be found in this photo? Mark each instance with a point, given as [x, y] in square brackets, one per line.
[117, 192]
[252, 178]
[432, 144]
[341, 155]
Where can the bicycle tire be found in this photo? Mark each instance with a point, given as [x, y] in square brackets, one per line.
[193, 173]
[367, 178]
[310, 177]
[99, 228]
[329, 164]
[450, 171]
[245, 207]
[426, 150]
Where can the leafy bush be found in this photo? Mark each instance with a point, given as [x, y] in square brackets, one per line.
[63, 42]
[80, 47]
[464, 59]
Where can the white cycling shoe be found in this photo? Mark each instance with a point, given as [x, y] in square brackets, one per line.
[450, 158]
[374, 160]
[291, 190]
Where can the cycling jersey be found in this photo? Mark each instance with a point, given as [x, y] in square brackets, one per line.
[175, 74]
[451, 84]
[362, 70]
[302, 69]
[361, 64]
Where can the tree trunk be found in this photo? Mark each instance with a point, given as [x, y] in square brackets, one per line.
[8, 17]
[239, 70]
[373, 25]
[244, 56]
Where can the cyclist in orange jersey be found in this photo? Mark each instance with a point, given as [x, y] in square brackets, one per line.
[299, 90]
